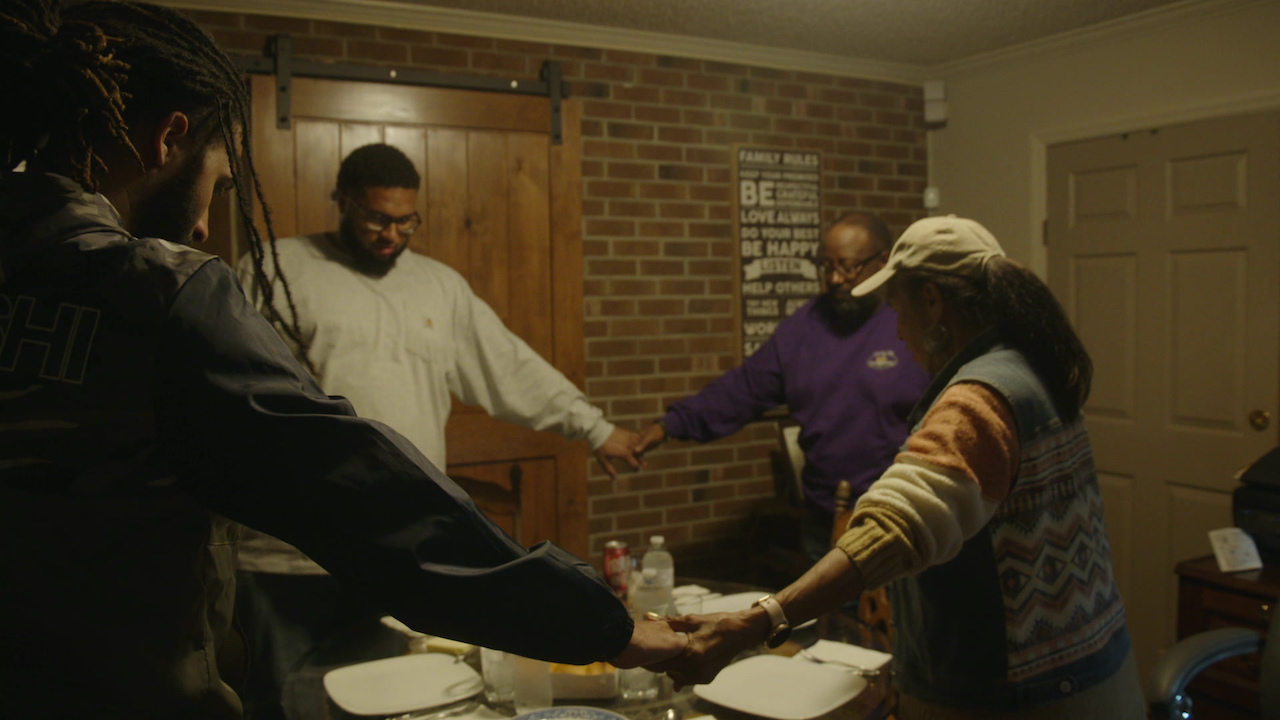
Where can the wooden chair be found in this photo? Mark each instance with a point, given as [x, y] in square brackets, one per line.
[874, 619]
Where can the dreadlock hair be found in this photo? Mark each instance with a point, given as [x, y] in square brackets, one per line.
[90, 72]
[377, 165]
[1011, 298]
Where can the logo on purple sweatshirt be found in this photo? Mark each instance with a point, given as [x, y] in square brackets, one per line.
[882, 360]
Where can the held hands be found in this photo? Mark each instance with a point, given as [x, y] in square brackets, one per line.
[652, 642]
[714, 641]
[620, 446]
[649, 438]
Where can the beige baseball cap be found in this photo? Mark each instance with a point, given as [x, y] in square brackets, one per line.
[950, 245]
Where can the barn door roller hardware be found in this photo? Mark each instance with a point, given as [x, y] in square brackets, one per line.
[279, 60]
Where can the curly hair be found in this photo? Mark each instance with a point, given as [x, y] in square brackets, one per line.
[377, 165]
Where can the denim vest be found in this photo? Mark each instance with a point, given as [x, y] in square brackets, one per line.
[1028, 612]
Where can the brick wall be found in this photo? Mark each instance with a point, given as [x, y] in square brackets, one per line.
[658, 244]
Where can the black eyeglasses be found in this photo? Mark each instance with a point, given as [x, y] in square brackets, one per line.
[377, 222]
[846, 270]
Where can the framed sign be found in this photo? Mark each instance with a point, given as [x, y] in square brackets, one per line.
[778, 229]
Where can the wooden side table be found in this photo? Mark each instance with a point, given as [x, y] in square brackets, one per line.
[1210, 599]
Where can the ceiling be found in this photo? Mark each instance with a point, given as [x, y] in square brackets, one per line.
[912, 32]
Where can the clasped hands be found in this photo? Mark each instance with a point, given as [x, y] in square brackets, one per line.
[692, 649]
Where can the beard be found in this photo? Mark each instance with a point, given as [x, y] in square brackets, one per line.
[170, 211]
[843, 313]
[363, 260]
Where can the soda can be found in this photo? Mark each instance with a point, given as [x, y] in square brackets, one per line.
[617, 566]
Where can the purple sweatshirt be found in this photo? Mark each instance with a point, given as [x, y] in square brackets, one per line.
[851, 396]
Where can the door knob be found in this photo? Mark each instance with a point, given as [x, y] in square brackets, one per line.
[1260, 419]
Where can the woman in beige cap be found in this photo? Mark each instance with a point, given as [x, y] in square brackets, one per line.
[988, 527]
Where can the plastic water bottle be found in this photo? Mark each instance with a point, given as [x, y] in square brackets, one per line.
[657, 558]
[647, 595]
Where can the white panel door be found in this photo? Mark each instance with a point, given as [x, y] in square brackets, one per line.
[1164, 247]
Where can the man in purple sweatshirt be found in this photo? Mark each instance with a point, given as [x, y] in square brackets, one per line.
[837, 363]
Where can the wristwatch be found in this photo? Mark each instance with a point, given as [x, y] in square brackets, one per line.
[779, 628]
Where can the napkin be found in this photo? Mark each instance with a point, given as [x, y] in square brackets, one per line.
[852, 654]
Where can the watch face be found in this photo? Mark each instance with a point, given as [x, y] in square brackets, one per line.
[778, 636]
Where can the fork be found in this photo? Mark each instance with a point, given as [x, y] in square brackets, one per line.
[856, 669]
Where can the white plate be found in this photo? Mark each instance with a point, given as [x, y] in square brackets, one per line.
[846, 653]
[739, 601]
[401, 684]
[773, 686]
[571, 712]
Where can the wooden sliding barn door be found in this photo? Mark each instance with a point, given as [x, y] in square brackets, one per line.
[502, 205]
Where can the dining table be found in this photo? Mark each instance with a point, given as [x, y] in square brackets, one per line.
[305, 697]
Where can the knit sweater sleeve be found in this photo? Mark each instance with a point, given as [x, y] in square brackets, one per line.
[942, 489]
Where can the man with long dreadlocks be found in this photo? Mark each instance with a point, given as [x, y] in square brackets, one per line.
[147, 405]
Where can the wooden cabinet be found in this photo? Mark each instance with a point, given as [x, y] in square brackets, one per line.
[1210, 599]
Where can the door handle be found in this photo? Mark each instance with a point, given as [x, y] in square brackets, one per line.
[1260, 419]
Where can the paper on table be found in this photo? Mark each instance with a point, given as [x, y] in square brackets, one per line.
[683, 590]
[851, 654]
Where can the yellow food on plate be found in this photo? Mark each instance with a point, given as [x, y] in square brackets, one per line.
[595, 668]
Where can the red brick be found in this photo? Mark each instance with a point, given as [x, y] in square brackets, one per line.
[664, 115]
[613, 73]
[595, 328]
[662, 346]
[209, 19]
[581, 53]
[624, 57]
[791, 90]
[679, 62]
[418, 37]
[439, 56]
[377, 51]
[512, 64]
[272, 24]
[631, 171]
[617, 228]
[662, 78]
[659, 152]
[685, 173]
[701, 117]
[854, 115]
[682, 210]
[620, 208]
[707, 155]
[637, 94]
[912, 169]
[634, 328]
[522, 47]
[663, 385]
[779, 107]
[632, 287]
[709, 229]
[818, 110]
[732, 102]
[465, 41]
[680, 135]
[793, 126]
[685, 98]
[592, 169]
[710, 193]
[241, 40]
[727, 68]
[635, 406]
[749, 122]
[685, 249]
[685, 326]
[610, 266]
[631, 366]
[726, 137]
[663, 191]
[896, 152]
[666, 498]
[711, 83]
[689, 513]
[872, 132]
[629, 131]
[683, 286]
[662, 306]
[318, 47]
[662, 267]
[661, 229]
[635, 247]
[343, 30]
[608, 149]
[610, 189]
[710, 305]
[614, 504]
[893, 119]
